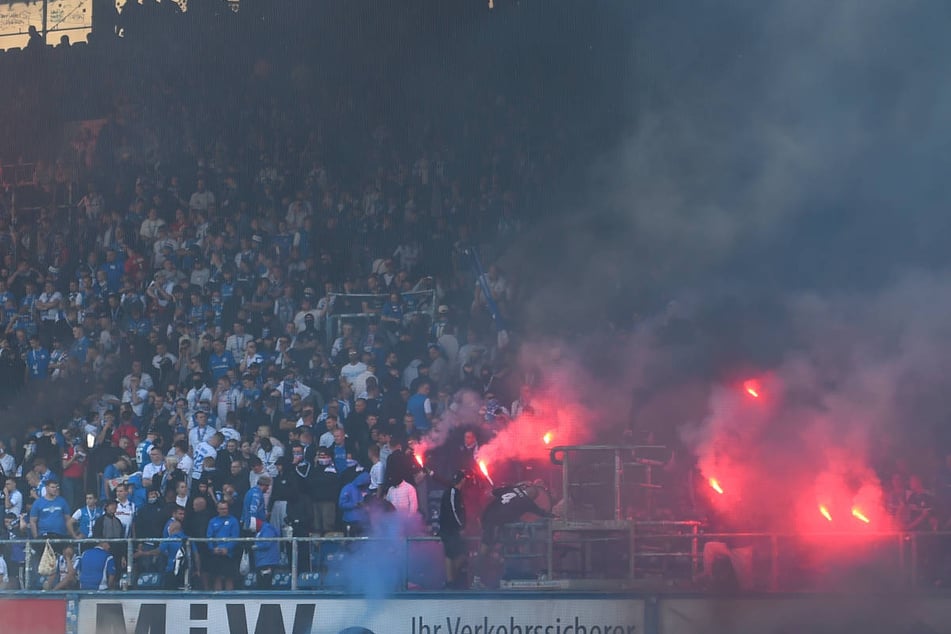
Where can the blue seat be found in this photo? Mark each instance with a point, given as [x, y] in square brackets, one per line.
[149, 580]
[281, 580]
[309, 580]
[329, 550]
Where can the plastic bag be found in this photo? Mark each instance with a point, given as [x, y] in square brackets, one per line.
[245, 566]
[47, 562]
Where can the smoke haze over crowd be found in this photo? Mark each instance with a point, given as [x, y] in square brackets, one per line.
[775, 208]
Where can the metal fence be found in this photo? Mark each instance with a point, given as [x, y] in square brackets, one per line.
[573, 555]
[302, 558]
[424, 301]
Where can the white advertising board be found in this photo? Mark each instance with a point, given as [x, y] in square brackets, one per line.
[328, 615]
[807, 613]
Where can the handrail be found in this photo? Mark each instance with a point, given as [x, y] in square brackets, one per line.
[557, 451]
[131, 542]
[641, 532]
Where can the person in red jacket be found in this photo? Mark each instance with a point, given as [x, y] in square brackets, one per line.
[74, 469]
[126, 430]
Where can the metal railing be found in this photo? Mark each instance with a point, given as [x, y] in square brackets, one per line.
[332, 320]
[125, 549]
[639, 553]
[618, 468]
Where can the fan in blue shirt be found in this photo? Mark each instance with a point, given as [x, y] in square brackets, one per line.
[222, 564]
[223, 529]
[97, 568]
[254, 508]
[50, 514]
[37, 361]
[220, 360]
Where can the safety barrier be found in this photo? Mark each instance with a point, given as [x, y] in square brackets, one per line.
[600, 482]
[562, 555]
[306, 562]
[425, 302]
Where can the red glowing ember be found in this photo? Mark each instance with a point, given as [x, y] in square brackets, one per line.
[859, 515]
[752, 388]
[547, 438]
[715, 485]
[485, 472]
[825, 512]
[419, 459]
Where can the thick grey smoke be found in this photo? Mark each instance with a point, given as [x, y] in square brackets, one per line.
[775, 209]
[784, 134]
[774, 145]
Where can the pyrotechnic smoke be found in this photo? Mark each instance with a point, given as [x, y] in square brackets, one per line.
[568, 406]
[384, 553]
[783, 182]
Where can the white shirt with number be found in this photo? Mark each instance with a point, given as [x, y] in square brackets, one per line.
[125, 511]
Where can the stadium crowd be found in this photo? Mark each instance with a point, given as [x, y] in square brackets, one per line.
[173, 278]
[236, 289]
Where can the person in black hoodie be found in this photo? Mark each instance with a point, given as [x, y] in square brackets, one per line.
[108, 526]
[452, 521]
[196, 525]
[228, 453]
[283, 489]
[300, 506]
[323, 485]
[149, 522]
[238, 477]
[400, 465]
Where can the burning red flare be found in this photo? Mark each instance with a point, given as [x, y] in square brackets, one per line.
[752, 388]
[715, 485]
[485, 472]
[419, 459]
[825, 512]
[547, 438]
[859, 515]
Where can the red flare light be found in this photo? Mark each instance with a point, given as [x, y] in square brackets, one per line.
[859, 515]
[715, 485]
[825, 512]
[547, 438]
[485, 472]
[419, 459]
[752, 388]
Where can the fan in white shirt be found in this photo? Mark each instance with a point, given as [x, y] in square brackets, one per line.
[49, 303]
[12, 499]
[198, 392]
[226, 398]
[269, 453]
[8, 463]
[125, 509]
[154, 469]
[207, 449]
[183, 462]
[403, 498]
[237, 343]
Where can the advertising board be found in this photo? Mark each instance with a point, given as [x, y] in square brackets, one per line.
[440, 614]
[36, 616]
[805, 613]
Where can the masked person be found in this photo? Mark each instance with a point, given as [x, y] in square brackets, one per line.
[507, 506]
[452, 522]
